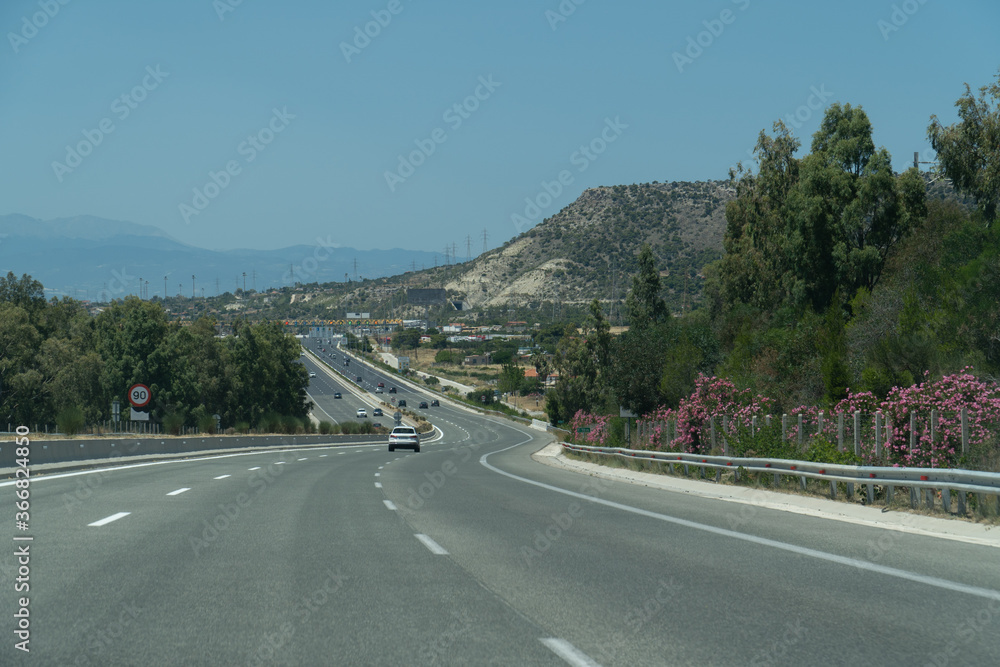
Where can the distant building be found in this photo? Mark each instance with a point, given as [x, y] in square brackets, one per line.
[477, 360]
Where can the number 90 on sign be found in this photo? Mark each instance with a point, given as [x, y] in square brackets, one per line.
[138, 395]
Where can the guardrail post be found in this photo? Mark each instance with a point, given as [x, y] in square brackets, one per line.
[833, 490]
[946, 499]
[725, 440]
[914, 499]
[929, 498]
[965, 431]
[890, 492]
[960, 502]
[878, 436]
[840, 432]
[871, 493]
[857, 433]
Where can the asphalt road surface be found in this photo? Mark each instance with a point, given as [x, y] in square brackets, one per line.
[468, 553]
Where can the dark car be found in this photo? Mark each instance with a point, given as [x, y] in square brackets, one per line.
[392, 390]
[435, 403]
[336, 394]
[402, 403]
[359, 378]
[423, 405]
[377, 412]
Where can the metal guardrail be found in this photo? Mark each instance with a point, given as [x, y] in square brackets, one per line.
[926, 480]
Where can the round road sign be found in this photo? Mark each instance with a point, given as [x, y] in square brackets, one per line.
[138, 395]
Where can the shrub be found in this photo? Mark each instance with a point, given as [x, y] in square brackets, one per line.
[325, 428]
[270, 422]
[70, 420]
[204, 420]
[173, 420]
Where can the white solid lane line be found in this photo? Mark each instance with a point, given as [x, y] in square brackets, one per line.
[254, 468]
[568, 652]
[109, 519]
[389, 505]
[935, 582]
[222, 477]
[432, 545]
[179, 491]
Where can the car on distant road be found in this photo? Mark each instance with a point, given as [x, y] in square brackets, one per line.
[359, 378]
[381, 384]
[336, 394]
[377, 412]
[404, 436]
[378, 390]
[362, 413]
[435, 403]
[392, 390]
[312, 374]
[402, 403]
[423, 405]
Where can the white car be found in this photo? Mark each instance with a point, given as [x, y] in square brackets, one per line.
[312, 374]
[362, 413]
[404, 436]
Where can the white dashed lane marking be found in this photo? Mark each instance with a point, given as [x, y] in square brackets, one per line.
[109, 519]
[179, 491]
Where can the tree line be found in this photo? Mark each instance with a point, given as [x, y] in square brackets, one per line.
[59, 363]
[837, 274]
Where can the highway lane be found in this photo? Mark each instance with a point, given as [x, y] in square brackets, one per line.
[319, 562]
[876, 585]
[664, 578]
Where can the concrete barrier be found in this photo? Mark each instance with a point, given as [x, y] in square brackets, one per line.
[85, 449]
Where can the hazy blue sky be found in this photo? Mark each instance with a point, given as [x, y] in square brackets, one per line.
[208, 84]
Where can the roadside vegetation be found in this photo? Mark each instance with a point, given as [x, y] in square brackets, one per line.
[62, 366]
[843, 287]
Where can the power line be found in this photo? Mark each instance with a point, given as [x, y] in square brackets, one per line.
[486, 236]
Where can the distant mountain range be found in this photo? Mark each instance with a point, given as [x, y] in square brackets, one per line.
[97, 259]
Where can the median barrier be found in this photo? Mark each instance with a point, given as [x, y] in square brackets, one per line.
[79, 450]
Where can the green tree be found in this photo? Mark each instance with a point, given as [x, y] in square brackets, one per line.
[755, 268]
[511, 378]
[644, 302]
[267, 374]
[969, 151]
[833, 348]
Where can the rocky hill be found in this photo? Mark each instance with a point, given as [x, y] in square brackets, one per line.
[585, 251]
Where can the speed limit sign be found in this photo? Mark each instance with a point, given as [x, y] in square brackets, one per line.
[138, 395]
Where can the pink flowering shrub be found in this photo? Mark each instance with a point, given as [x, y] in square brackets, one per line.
[948, 396]
[718, 397]
[598, 424]
[712, 396]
